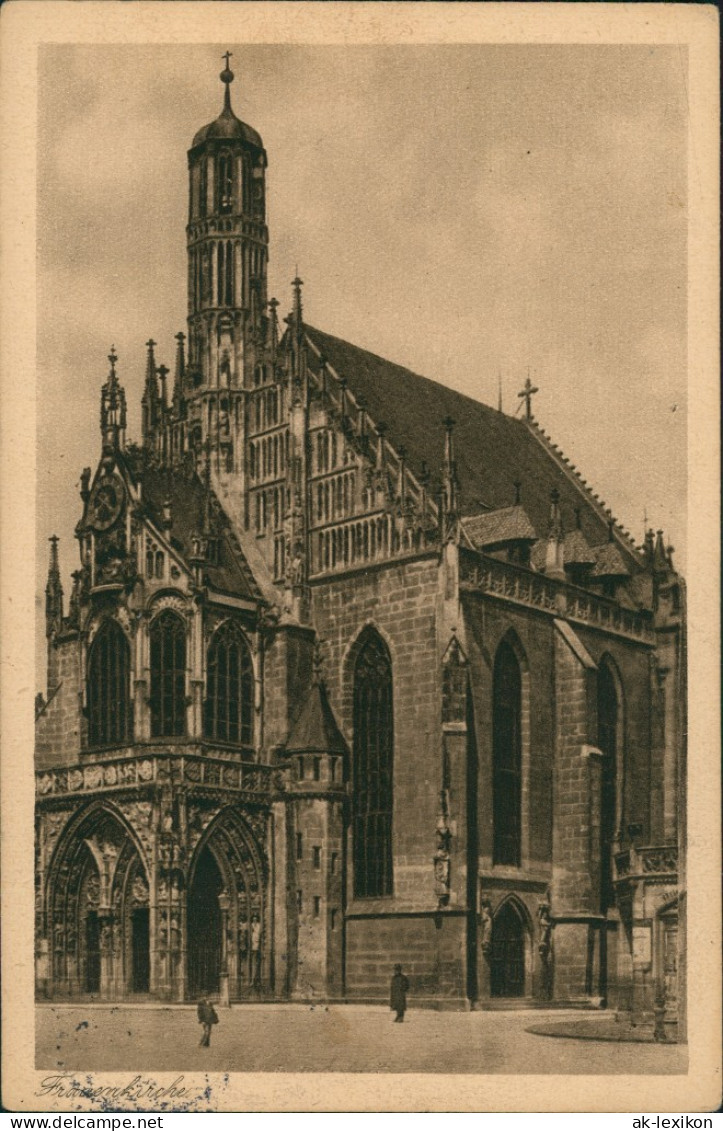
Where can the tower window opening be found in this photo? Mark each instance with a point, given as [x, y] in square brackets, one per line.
[317, 856]
[228, 298]
[202, 188]
[220, 260]
[225, 182]
[317, 906]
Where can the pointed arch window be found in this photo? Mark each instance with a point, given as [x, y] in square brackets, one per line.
[229, 705]
[373, 768]
[168, 676]
[109, 706]
[507, 758]
[607, 738]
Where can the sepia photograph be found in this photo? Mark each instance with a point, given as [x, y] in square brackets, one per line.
[361, 544]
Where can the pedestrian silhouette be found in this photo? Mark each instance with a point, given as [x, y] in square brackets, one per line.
[398, 993]
[207, 1017]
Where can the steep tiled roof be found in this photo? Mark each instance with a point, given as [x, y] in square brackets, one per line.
[508, 524]
[316, 729]
[577, 550]
[187, 495]
[492, 450]
[609, 561]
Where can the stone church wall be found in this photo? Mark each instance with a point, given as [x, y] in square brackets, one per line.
[399, 600]
[58, 726]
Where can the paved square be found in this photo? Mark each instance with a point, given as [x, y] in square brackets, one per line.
[340, 1038]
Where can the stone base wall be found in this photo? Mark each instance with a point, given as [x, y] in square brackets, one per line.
[431, 950]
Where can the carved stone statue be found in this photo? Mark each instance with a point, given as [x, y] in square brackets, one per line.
[544, 920]
[485, 918]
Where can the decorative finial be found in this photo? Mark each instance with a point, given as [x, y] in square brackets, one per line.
[227, 77]
[112, 358]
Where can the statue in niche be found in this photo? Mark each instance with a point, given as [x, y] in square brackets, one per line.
[485, 922]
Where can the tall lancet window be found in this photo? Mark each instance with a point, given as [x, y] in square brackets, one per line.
[109, 707]
[168, 676]
[229, 705]
[225, 182]
[507, 758]
[373, 768]
[607, 738]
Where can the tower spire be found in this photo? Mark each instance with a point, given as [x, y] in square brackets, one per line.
[180, 371]
[53, 591]
[149, 400]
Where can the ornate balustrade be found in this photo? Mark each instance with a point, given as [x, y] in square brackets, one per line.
[653, 862]
[525, 587]
[146, 769]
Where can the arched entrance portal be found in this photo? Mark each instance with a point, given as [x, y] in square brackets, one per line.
[507, 959]
[204, 927]
[228, 943]
[97, 909]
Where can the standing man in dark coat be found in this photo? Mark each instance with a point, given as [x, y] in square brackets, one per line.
[398, 993]
[207, 1017]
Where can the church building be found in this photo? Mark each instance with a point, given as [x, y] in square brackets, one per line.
[354, 671]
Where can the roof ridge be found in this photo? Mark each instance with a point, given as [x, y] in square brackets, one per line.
[406, 369]
[624, 537]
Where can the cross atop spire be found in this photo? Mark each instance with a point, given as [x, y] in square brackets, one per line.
[527, 394]
[227, 77]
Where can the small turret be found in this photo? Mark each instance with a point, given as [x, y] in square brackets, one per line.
[113, 409]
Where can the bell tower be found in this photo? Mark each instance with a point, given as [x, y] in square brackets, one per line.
[227, 241]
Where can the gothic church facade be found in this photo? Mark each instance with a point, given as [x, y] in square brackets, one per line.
[324, 700]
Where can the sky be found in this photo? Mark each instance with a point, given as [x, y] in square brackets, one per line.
[470, 212]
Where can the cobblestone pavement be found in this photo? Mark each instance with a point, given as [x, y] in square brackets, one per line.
[342, 1038]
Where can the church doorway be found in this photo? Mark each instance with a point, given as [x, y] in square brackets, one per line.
[204, 927]
[507, 958]
[140, 951]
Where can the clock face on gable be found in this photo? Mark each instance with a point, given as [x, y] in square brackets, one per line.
[106, 503]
